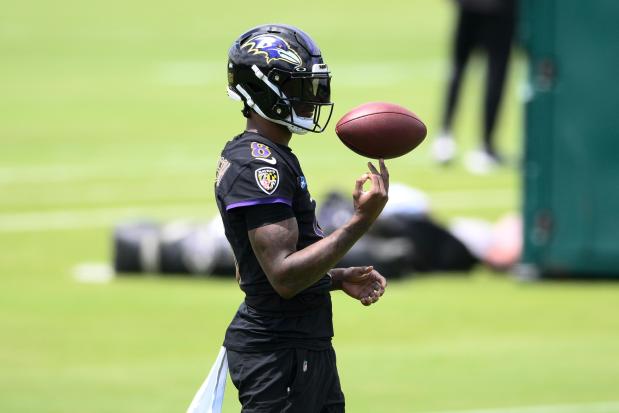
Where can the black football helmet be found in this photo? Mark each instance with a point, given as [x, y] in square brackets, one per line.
[278, 71]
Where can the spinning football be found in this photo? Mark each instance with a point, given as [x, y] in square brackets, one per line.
[380, 130]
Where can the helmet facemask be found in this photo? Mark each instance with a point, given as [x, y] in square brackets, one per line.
[298, 100]
[303, 98]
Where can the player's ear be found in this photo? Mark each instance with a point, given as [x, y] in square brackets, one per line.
[246, 111]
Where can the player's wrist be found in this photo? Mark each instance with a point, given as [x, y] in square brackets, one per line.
[336, 278]
[360, 221]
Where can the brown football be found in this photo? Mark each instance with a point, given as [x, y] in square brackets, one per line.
[381, 130]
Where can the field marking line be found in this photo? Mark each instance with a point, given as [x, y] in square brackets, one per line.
[93, 273]
[599, 407]
[353, 73]
[78, 173]
[68, 219]
[209, 72]
[93, 218]
[482, 199]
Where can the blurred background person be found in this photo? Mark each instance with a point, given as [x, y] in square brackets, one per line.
[489, 25]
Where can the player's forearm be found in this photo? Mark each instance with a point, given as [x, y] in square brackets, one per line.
[303, 268]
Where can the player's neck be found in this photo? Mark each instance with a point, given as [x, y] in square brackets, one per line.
[270, 130]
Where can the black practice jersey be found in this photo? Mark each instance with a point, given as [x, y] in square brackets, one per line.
[259, 182]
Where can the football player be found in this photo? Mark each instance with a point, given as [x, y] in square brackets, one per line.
[279, 342]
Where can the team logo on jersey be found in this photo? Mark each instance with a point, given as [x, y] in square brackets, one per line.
[267, 179]
[272, 48]
[222, 168]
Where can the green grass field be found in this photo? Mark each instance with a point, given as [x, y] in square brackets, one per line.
[114, 110]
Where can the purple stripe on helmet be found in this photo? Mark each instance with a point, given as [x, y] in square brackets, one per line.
[260, 201]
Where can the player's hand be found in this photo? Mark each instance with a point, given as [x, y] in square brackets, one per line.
[363, 283]
[369, 204]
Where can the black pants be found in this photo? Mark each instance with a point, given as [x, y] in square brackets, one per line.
[289, 380]
[493, 34]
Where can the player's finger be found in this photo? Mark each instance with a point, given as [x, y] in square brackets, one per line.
[359, 274]
[361, 181]
[364, 270]
[382, 182]
[378, 288]
[377, 185]
[373, 168]
[384, 172]
[375, 172]
[359, 185]
[379, 279]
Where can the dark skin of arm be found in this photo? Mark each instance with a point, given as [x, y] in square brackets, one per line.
[290, 271]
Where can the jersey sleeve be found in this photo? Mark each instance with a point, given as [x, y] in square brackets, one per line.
[261, 183]
[260, 215]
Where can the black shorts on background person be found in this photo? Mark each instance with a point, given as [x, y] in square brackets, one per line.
[488, 25]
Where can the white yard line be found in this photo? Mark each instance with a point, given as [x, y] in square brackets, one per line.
[76, 173]
[93, 272]
[460, 200]
[480, 199]
[93, 218]
[205, 72]
[601, 407]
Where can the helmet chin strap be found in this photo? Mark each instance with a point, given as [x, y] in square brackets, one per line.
[233, 95]
[250, 102]
[297, 130]
[305, 122]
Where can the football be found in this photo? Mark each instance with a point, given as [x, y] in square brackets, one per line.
[380, 130]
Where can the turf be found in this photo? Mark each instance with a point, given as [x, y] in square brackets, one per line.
[114, 110]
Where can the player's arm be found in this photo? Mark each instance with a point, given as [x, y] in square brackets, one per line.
[290, 271]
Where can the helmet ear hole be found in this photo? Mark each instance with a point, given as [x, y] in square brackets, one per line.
[283, 111]
[278, 77]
